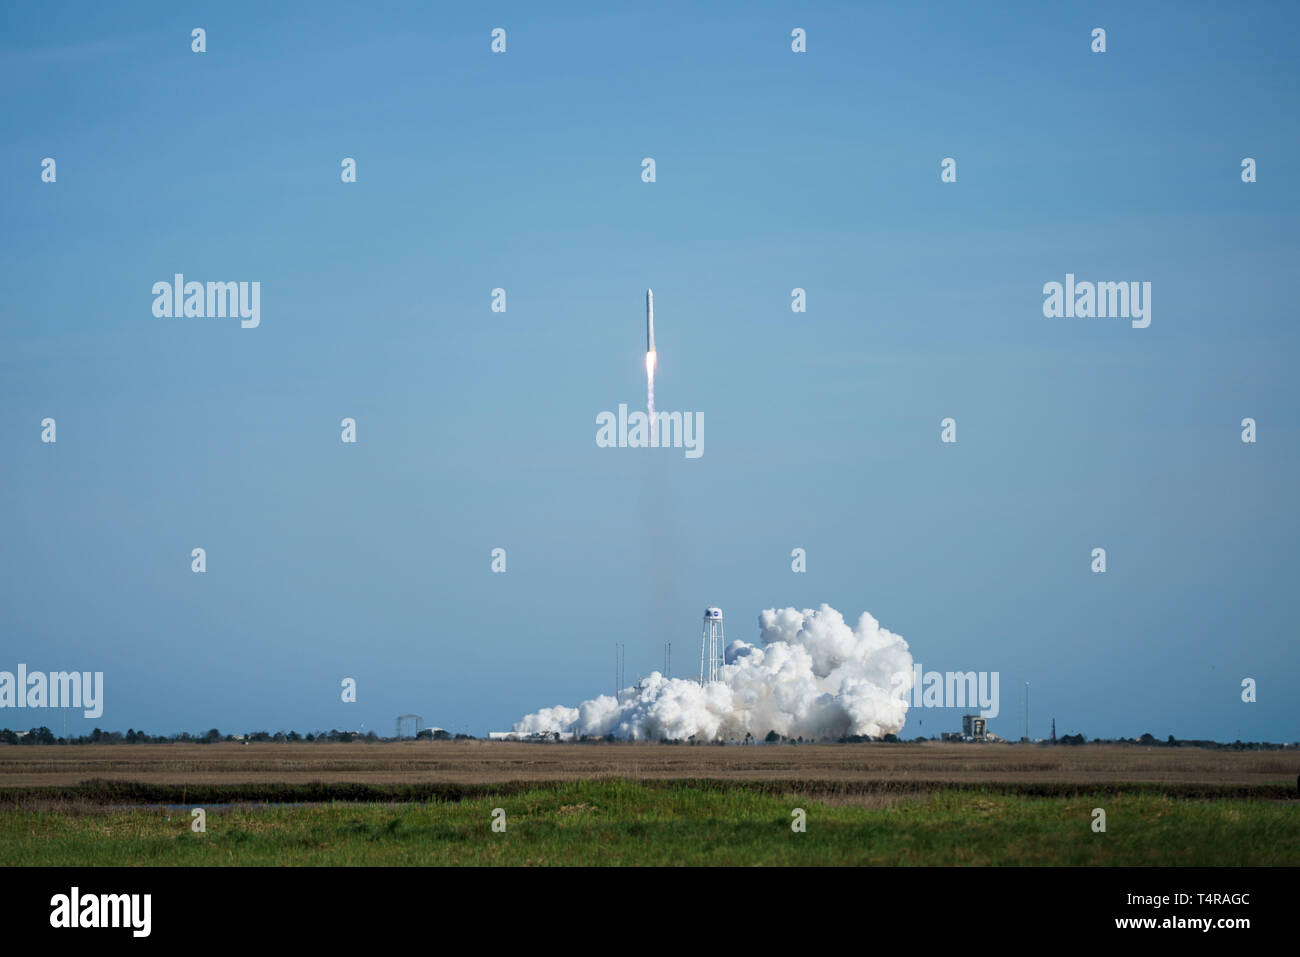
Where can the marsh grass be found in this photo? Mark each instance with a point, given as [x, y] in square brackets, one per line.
[622, 822]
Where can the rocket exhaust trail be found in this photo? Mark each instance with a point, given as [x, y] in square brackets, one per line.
[650, 356]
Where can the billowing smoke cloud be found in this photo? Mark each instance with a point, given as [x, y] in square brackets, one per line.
[811, 675]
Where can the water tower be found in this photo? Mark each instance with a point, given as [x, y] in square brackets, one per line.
[711, 646]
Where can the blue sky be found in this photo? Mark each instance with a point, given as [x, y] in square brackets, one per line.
[477, 429]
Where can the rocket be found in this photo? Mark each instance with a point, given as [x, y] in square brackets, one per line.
[650, 358]
[649, 320]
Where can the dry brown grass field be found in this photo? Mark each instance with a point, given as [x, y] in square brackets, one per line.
[482, 762]
[406, 803]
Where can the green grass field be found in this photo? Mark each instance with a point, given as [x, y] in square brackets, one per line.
[618, 822]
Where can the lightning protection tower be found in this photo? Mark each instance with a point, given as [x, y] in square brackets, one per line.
[711, 646]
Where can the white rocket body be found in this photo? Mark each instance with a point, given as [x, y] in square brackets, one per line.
[649, 320]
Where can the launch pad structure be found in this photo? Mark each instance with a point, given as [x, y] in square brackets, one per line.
[711, 646]
[416, 719]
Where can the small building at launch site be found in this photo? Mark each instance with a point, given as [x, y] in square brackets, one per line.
[974, 727]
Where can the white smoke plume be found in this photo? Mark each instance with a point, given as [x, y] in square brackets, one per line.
[811, 676]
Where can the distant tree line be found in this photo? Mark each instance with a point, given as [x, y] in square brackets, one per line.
[44, 735]
[1147, 740]
[1151, 741]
